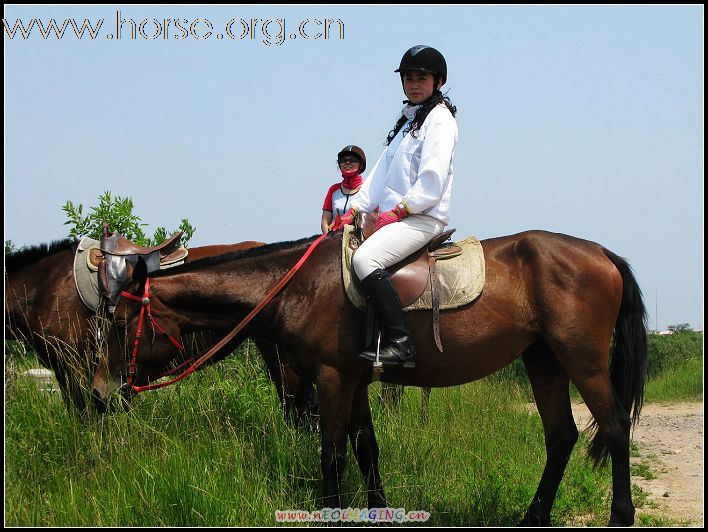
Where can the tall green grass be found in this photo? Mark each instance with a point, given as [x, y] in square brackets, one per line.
[675, 367]
[665, 352]
[680, 381]
[214, 451]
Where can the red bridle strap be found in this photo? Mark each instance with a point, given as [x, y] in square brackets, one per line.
[145, 308]
[284, 281]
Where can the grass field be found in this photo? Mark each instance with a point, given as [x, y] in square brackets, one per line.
[215, 451]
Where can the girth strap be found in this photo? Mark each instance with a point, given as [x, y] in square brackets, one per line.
[435, 291]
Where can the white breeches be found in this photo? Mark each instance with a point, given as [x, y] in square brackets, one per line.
[394, 242]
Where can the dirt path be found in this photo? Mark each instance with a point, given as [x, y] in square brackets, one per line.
[669, 440]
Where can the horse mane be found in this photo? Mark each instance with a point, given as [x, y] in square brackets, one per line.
[24, 257]
[234, 255]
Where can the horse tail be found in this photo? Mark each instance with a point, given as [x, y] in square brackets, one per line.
[628, 365]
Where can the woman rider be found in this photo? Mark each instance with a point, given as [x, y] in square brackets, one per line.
[410, 186]
[352, 163]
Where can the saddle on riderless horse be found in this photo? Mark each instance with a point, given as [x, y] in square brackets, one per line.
[117, 252]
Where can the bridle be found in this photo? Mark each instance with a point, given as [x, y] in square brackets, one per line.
[145, 310]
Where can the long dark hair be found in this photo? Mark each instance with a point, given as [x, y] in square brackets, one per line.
[428, 105]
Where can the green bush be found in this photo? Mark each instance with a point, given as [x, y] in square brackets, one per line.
[117, 212]
[683, 381]
[668, 351]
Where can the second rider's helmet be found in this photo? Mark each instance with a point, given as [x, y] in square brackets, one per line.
[354, 150]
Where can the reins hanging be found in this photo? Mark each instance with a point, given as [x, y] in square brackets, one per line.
[145, 300]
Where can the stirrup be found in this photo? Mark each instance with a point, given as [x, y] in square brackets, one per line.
[391, 359]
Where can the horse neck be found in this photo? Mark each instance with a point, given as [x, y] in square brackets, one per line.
[28, 286]
[218, 296]
[219, 249]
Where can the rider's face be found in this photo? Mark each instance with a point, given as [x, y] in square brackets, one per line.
[349, 162]
[418, 86]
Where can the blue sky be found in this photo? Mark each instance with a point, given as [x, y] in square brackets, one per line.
[584, 120]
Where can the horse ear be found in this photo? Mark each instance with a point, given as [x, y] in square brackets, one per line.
[140, 271]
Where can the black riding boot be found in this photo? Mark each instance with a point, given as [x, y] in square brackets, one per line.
[397, 345]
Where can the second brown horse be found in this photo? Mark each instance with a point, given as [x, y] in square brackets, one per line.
[44, 310]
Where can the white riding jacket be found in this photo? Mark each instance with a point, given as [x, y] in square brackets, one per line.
[416, 170]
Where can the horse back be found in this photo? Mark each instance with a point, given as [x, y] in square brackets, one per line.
[550, 274]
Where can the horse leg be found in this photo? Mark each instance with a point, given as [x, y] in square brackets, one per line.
[72, 377]
[298, 398]
[391, 394]
[613, 427]
[588, 369]
[307, 402]
[549, 382]
[336, 394]
[424, 403]
[366, 450]
[276, 373]
[71, 393]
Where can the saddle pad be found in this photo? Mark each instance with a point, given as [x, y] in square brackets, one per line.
[85, 276]
[86, 259]
[461, 278]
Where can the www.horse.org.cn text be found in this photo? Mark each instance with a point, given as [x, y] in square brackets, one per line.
[270, 31]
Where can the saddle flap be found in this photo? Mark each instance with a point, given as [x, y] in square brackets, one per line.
[410, 277]
[120, 255]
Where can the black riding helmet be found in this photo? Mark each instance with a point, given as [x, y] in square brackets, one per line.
[354, 150]
[424, 59]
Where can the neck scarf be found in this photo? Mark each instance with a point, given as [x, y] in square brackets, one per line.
[352, 179]
[410, 110]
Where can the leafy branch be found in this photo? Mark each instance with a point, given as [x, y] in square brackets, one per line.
[118, 213]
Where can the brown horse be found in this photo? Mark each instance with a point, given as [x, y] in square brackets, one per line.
[561, 303]
[44, 310]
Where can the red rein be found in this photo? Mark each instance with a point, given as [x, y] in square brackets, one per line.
[145, 301]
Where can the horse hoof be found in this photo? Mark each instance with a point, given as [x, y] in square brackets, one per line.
[614, 521]
[534, 520]
[621, 516]
[526, 523]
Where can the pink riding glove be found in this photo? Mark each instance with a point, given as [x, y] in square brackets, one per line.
[346, 219]
[398, 213]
